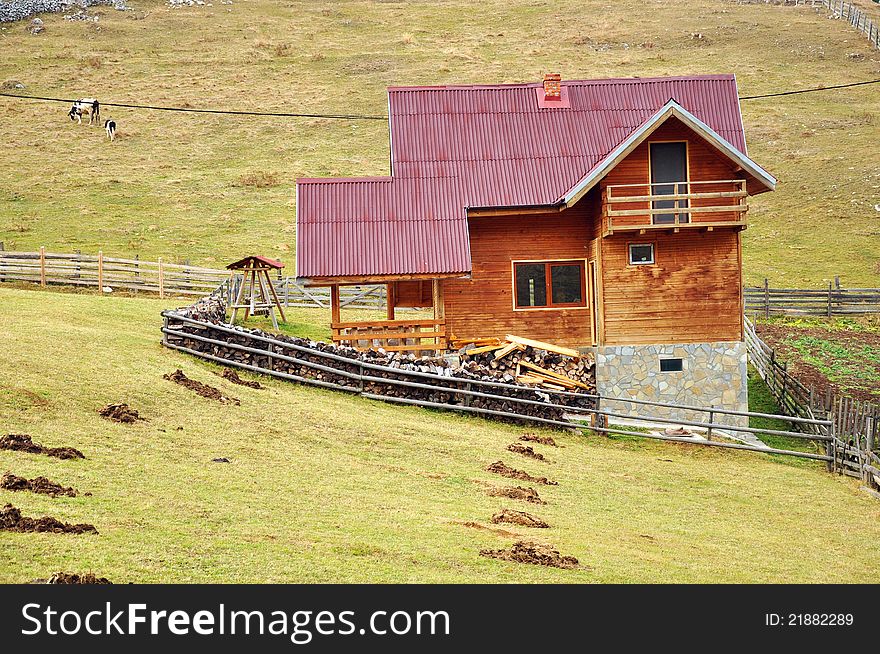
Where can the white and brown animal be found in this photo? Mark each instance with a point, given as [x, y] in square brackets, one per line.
[88, 106]
[110, 127]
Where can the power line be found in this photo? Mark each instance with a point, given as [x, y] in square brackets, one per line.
[204, 111]
[282, 114]
[813, 90]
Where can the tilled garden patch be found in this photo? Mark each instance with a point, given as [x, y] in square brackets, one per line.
[517, 493]
[178, 377]
[24, 443]
[533, 553]
[12, 520]
[74, 578]
[40, 485]
[501, 468]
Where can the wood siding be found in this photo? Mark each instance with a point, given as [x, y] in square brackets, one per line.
[483, 305]
[692, 294]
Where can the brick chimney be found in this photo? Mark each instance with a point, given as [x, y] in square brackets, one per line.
[553, 87]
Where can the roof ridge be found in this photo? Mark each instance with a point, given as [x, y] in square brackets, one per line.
[572, 82]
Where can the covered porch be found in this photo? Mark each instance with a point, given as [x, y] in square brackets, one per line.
[420, 334]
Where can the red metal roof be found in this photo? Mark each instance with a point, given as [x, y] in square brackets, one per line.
[454, 147]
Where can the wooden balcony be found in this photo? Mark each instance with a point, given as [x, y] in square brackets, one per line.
[674, 206]
[421, 337]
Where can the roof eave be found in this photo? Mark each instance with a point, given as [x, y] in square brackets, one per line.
[670, 109]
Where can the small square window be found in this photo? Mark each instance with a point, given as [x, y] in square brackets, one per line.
[671, 365]
[641, 254]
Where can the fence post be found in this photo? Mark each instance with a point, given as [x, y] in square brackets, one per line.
[829, 299]
[784, 386]
[161, 280]
[137, 267]
[42, 266]
[711, 422]
[76, 257]
[766, 298]
[101, 271]
[1, 262]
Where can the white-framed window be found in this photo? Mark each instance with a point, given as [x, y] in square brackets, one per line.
[641, 254]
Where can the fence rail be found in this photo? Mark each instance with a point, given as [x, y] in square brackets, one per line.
[831, 301]
[283, 359]
[856, 424]
[134, 274]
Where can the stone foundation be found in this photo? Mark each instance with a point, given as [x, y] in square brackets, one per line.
[713, 374]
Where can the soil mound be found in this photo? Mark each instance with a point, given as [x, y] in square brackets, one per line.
[12, 520]
[24, 443]
[199, 388]
[501, 468]
[73, 578]
[517, 493]
[40, 485]
[521, 518]
[120, 413]
[526, 450]
[534, 553]
[541, 440]
[498, 532]
[230, 375]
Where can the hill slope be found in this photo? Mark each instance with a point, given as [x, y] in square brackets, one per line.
[326, 487]
[209, 188]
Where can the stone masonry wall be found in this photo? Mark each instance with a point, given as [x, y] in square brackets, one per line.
[713, 374]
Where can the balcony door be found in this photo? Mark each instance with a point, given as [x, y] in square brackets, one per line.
[669, 176]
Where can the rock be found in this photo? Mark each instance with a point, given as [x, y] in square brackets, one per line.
[36, 26]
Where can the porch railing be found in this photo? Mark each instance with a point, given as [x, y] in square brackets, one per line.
[417, 336]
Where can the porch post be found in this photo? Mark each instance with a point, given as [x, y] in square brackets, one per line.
[390, 300]
[437, 299]
[334, 305]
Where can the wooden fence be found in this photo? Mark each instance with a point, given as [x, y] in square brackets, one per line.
[840, 9]
[283, 359]
[831, 301]
[856, 424]
[134, 274]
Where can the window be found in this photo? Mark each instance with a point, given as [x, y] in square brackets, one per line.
[549, 284]
[641, 254]
[671, 365]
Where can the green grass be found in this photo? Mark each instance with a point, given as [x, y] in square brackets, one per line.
[327, 487]
[211, 188]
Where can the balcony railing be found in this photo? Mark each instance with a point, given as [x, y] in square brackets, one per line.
[674, 206]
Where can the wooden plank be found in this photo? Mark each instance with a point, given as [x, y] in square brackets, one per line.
[543, 372]
[540, 345]
[507, 349]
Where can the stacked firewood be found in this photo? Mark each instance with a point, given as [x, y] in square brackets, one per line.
[428, 379]
[533, 363]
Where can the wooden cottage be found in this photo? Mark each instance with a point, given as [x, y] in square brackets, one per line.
[596, 214]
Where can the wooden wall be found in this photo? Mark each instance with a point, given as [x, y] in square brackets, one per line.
[692, 294]
[483, 305]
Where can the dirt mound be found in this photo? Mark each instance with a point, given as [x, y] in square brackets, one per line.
[73, 578]
[24, 443]
[526, 450]
[36, 485]
[120, 413]
[517, 493]
[501, 468]
[498, 532]
[230, 375]
[541, 440]
[521, 518]
[198, 387]
[12, 520]
[534, 553]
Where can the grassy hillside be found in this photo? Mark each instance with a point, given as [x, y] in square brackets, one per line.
[209, 188]
[325, 487]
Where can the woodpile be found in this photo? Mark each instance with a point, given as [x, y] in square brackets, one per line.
[343, 366]
[533, 363]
